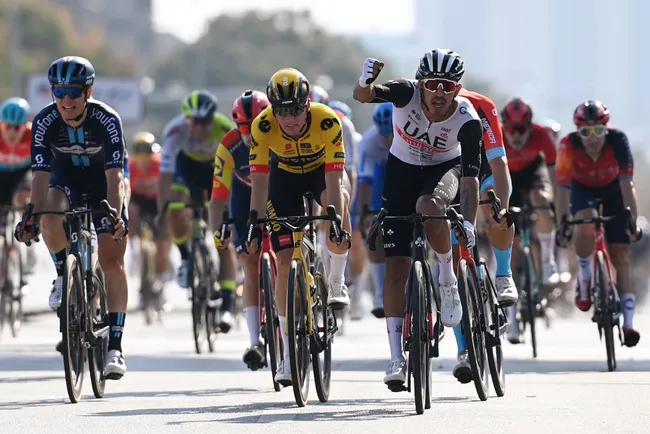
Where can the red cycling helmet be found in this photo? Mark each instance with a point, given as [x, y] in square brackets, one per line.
[517, 112]
[591, 112]
[318, 94]
[246, 108]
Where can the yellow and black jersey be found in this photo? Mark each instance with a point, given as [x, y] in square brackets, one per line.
[321, 143]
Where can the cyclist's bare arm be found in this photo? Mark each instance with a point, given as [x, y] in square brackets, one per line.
[259, 192]
[502, 181]
[216, 208]
[629, 196]
[40, 184]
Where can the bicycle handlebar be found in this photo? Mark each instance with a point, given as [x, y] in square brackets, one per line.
[294, 223]
[451, 215]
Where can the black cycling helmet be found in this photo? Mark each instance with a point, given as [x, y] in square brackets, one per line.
[441, 63]
[71, 70]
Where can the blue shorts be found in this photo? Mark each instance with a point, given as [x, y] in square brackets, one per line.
[487, 183]
[73, 184]
[583, 197]
[193, 177]
[240, 200]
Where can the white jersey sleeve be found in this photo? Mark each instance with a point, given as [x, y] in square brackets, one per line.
[351, 142]
[173, 134]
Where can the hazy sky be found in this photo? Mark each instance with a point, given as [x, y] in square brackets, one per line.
[185, 18]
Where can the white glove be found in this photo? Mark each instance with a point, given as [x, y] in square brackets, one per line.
[471, 235]
[368, 72]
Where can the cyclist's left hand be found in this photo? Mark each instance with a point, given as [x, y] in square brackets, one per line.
[119, 229]
[636, 236]
[502, 223]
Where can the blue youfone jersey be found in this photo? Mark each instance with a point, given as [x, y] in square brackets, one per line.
[373, 151]
[91, 148]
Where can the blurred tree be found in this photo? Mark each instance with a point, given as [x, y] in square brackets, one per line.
[48, 33]
[245, 50]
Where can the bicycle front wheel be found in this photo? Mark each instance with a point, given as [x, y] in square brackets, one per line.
[72, 315]
[272, 332]
[98, 314]
[196, 270]
[530, 290]
[298, 332]
[14, 282]
[323, 335]
[496, 322]
[606, 320]
[471, 321]
[418, 354]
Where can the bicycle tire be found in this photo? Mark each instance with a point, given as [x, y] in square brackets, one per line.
[211, 310]
[418, 356]
[606, 322]
[5, 297]
[146, 285]
[469, 290]
[97, 314]
[299, 354]
[73, 307]
[321, 337]
[199, 303]
[496, 327]
[531, 306]
[272, 335]
[433, 324]
[15, 313]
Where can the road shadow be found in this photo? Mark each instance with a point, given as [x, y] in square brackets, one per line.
[20, 380]
[566, 367]
[258, 412]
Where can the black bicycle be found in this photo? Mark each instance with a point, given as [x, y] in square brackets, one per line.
[603, 293]
[12, 279]
[311, 323]
[422, 325]
[203, 280]
[532, 303]
[84, 306]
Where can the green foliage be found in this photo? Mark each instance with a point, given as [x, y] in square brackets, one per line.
[47, 33]
[246, 50]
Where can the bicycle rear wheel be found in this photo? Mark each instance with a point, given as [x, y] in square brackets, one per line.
[496, 322]
[418, 354]
[196, 270]
[272, 336]
[212, 303]
[72, 320]
[147, 277]
[606, 321]
[531, 305]
[298, 332]
[322, 336]
[14, 282]
[473, 313]
[97, 314]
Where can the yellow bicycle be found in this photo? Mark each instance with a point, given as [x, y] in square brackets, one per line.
[311, 324]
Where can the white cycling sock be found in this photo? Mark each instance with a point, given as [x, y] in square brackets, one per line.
[337, 266]
[252, 316]
[628, 305]
[547, 246]
[285, 337]
[584, 275]
[395, 337]
[378, 273]
[446, 266]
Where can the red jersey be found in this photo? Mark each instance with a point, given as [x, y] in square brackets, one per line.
[574, 165]
[492, 135]
[539, 142]
[145, 183]
[19, 156]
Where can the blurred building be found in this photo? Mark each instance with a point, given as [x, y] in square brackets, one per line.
[554, 53]
[127, 25]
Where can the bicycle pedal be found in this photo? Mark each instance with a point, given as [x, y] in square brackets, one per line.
[396, 386]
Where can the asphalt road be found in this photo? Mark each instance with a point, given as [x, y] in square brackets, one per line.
[168, 388]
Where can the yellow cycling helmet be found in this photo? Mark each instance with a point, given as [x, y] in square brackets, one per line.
[145, 143]
[288, 88]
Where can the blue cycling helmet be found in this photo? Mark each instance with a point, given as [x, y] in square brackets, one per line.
[342, 107]
[14, 111]
[383, 118]
[71, 70]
